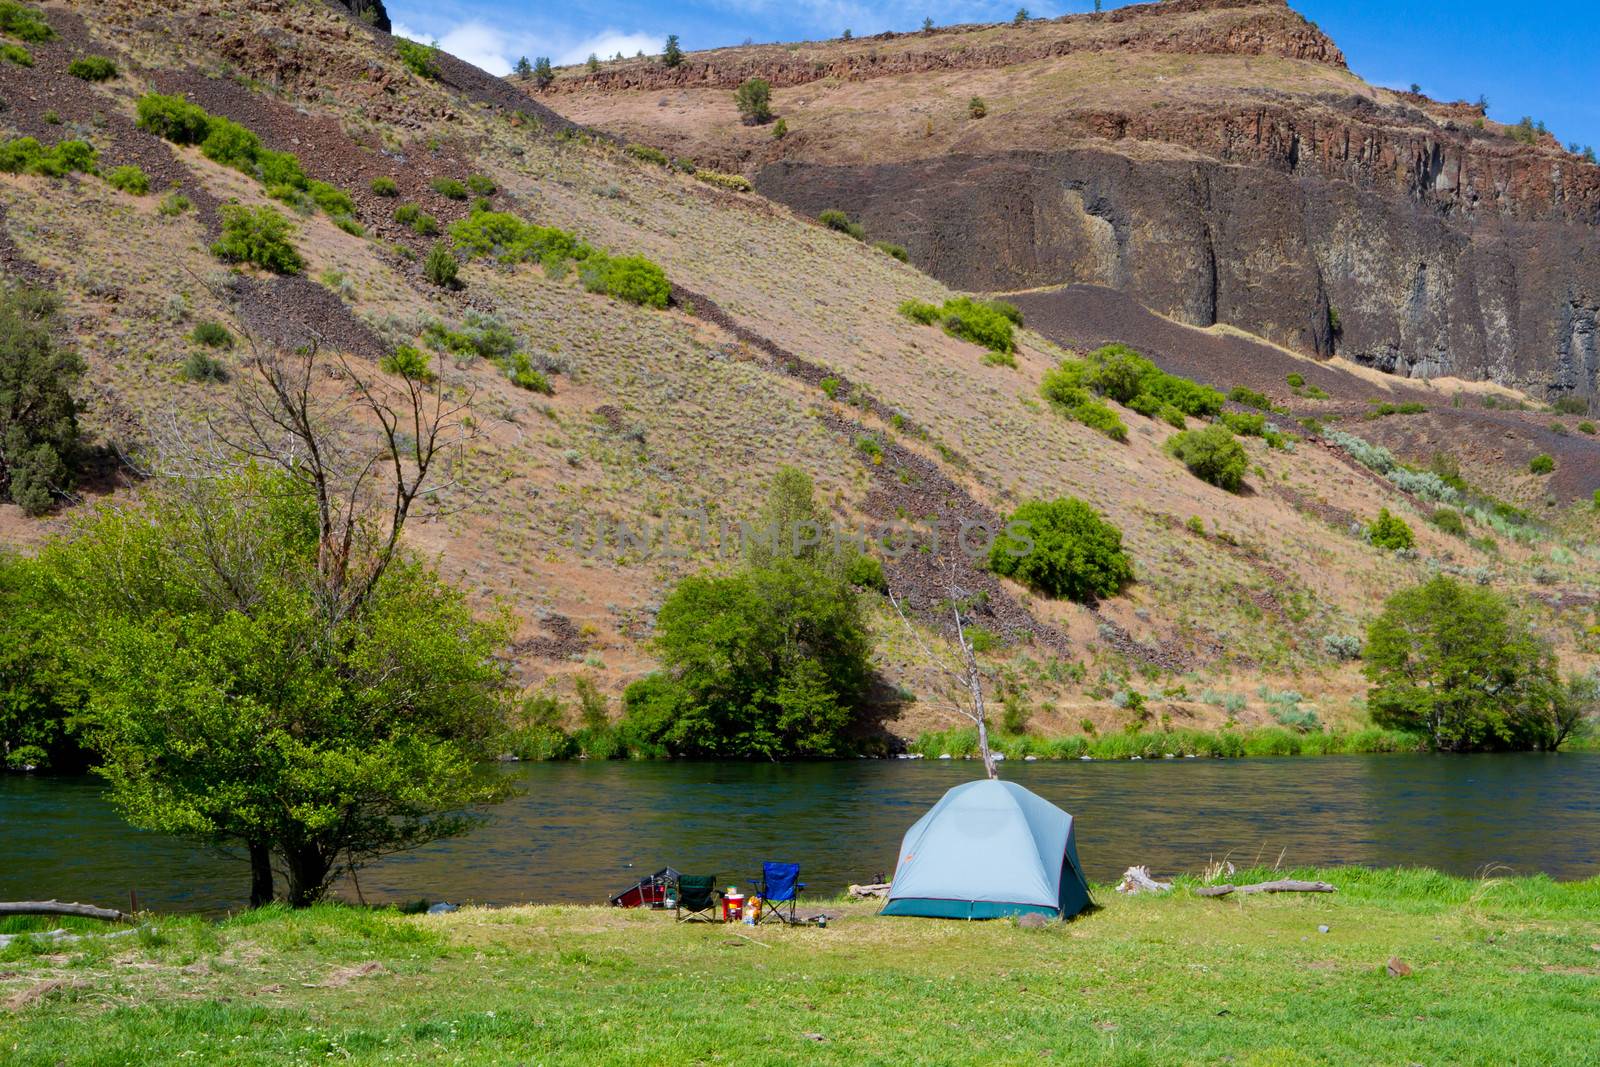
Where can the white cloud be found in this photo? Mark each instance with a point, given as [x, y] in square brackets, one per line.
[607, 44]
[478, 44]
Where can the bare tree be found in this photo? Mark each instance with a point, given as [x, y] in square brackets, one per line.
[964, 673]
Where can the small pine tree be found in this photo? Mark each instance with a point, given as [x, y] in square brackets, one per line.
[672, 55]
[543, 74]
[754, 100]
[927, 25]
[1020, 17]
[846, 35]
[441, 267]
[524, 69]
[593, 63]
[977, 108]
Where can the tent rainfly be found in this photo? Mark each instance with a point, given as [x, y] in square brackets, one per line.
[986, 850]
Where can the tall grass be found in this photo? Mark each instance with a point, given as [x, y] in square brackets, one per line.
[1230, 743]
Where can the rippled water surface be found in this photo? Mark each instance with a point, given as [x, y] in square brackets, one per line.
[579, 831]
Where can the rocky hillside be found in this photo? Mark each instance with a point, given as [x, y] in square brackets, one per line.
[782, 342]
[1214, 159]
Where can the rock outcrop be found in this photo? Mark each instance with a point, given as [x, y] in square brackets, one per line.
[1212, 158]
[372, 12]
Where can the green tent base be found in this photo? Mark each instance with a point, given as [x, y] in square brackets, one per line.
[963, 909]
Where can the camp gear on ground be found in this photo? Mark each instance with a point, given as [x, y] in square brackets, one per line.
[989, 849]
[732, 906]
[696, 898]
[779, 884]
[650, 892]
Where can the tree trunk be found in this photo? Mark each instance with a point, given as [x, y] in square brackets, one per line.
[260, 874]
[308, 875]
[983, 743]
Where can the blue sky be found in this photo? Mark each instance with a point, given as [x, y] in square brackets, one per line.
[1534, 58]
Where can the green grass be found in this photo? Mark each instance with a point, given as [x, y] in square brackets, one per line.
[1501, 971]
[1156, 744]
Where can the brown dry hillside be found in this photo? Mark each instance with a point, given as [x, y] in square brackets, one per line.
[1214, 159]
[695, 406]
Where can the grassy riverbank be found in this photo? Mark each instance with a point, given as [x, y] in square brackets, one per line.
[1156, 744]
[1499, 971]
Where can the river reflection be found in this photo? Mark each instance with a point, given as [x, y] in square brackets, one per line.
[582, 830]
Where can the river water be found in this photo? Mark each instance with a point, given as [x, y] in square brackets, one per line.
[580, 831]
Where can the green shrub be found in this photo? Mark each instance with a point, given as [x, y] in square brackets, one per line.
[632, 278]
[420, 222]
[753, 98]
[830, 386]
[1390, 531]
[333, 200]
[866, 572]
[1250, 398]
[481, 185]
[385, 186]
[24, 23]
[1243, 424]
[525, 375]
[12, 52]
[212, 335]
[1062, 548]
[1212, 455]
[408, 362]
[1543, 463]
[834, 219]
[261, 237]
[982, 323]
[1119, 372]
[976, 108]
[441, 267]
[450, 188]
[1098, 416]
[536, 734]
[25, 155]
[174, 204]
[1296, 380]
[204, 367]
[280, 172]
[1449, 521]
[129, 179]
[173, 118]
[230, 144]
[419, 59]
[780, 129]
[1571, 404]
[894, 251]
[737, 183]
[350, 225]
[1586, 427]
[648, 154]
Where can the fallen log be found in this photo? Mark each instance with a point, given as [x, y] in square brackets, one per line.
[875, 889]
[1282, 885]
[1139, 880]
[56, 907]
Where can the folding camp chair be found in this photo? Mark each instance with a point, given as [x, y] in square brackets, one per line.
[697, 899]
[778, 885]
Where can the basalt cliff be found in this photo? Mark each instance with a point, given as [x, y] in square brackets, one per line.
[1214, 159]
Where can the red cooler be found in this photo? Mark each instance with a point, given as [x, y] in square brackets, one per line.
[732, 907]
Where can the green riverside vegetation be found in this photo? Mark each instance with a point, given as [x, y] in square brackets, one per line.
[1491, 971]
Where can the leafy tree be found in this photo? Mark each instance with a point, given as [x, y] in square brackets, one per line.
[39, 690]
[1390, 531]
[420, 59]
[770, 661]
[524, 69]
[672, 55]
[1452, 661]
[543, 73]
[1212, 455]
[1062, 548]
[754, 101]
[227, 704]
[39, 441]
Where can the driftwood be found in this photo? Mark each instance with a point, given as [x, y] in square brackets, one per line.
[1139, 880]
[1282, 885]
[56, 907]
[876, 889]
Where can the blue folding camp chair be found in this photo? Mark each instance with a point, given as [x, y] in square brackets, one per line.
[778, 885]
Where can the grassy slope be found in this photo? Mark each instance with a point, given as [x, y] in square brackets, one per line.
[705, 421]
[1502, 971]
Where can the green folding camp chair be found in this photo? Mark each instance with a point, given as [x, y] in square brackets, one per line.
[697, 899]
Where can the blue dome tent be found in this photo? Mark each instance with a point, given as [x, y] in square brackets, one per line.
[986, 850]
